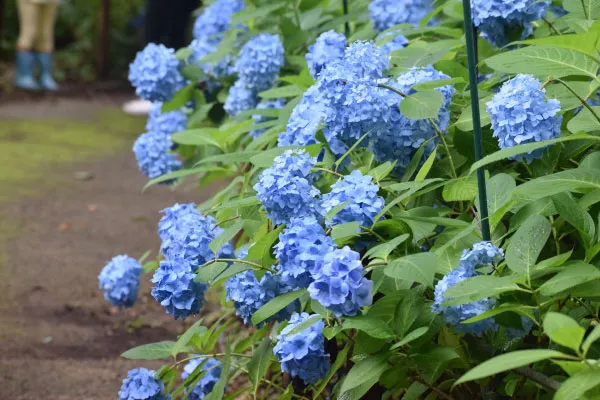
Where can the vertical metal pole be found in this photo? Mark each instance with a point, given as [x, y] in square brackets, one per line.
[473, 78]
[347, 24]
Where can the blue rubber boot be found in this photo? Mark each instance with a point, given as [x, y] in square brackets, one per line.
[24, 73]
[46, 67]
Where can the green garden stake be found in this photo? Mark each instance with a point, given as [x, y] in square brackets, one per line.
[470, 37]
[347, 24]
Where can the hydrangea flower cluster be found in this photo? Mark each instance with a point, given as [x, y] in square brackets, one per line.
[152, 152]
[387, 13]
[208, 381]
[219, 69]
[240, 99]
[259, 119]
[329, 47]
[249, 294]
[497, 18]
[301, 245]
[165, 123]
[482, 254]
[210, 26]
[303, 354]
[365, 60]
[259, 62]
[120, 280]
[339, 283]
[173, 217]
[521, 113]
[360, 193]
[398, 42]
[304, 121]
[284, 190]
[141, 384]
[155, 73]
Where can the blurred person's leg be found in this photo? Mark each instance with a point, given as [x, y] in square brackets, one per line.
[45, 44]
[25, 58]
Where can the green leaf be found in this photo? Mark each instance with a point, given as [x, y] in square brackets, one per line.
[226, 236]
[385, 249]
[184, 340]
[576, 386]
[366, 370]
[585, 121]
[238, 203]
[423, 54]
[282, 92]
[505, 307]
[340, 360]
[465, 121]
[152, 351]
[507, 362]
[527, 243]
[575, 273]
[426, 166]
[275, 305]
[212, 271]
[180, 99]
[499, 192]
[345, 230]
[373, 327]
[563, 330]
[264, 159]
[414, 335]
[259, 12]
[230, 158]
[262, 248]
[577, 216]
[260, 362]
[460, 189]
[429, 85]
[310, 321]
[479, 287]
[422, 105]
[382, 171]
[582, 42]
[219, 388]
[418, 267]
[333, 212]
[572, 180]
[590, 339]
[557, 62]
[585, 9]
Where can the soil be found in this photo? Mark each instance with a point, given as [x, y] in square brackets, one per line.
[60, 339]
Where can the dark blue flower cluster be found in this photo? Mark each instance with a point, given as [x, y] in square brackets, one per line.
[521, 113]
[120, 280]
[339, 283]
[482, 254]
[153, 154]
[165, 123]
[285, 190]
[387, 13]
[208, 381]
[497, 19]
[303, 354]
[141, 384]
[215, 20]
[259, 119]
[329, 47]
[155, 73]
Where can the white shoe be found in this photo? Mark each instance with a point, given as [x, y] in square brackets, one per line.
[137, 107]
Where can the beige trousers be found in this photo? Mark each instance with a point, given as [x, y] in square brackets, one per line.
[36, 25]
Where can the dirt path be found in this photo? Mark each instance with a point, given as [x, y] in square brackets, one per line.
[59, 339]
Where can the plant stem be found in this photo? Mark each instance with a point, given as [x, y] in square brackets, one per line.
[216, 260]
[347, 24]
[328, 171]
[372, 232]
[582, 100]
[537, 377]
[430, 386]
[551, 26]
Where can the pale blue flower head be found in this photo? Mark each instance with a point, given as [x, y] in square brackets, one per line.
[398, 42]
[208, 381]
[219, 69]
[339, 283]
[155, 73]
[305, 121]
[240, 98]
[481, 254]
[141, 384]
[366, 60]
[387, 13]
[521, 113]
[174, 217]
[259, 119]
[303, 354]
[166, 123]
[215, 20]
[259, 61]
[329, 46]
[153, 154]
[120, 280]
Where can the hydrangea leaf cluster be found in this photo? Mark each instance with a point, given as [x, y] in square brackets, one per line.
[166, 123]
[285, 190]
[259, 62]
[387, 13]
[329, 47]
[141, 384]
[215, 20]
[259, 119]
[303, 354]
[301, 245]
[361, 195]
[155, 73]
[498, 19]
[153, 154]
[208, 381]
[521, 114]
[249, 294]
[339, 283]
[482, 254]
[120, 280]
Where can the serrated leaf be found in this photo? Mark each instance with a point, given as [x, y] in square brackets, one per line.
[366, 370]
[527, 243]
[574, 274]
[282, 92]
[310, 321]
[275, 305]
[418, 267]
[460, 189]
[335, 210]
[371, 326]
[227, 234]
[184, 339]
[260, 362]
[563, 330]
[180, 99]
[238, 203]
[479, 287]
[261, 250]
[152, 351]
[422, 105]
[577, 216]
[576, 386]
[385, 249]
[346, 230]
[210, 272]
[414, 335]
[585, 9]
[585, 121]
[422, 174]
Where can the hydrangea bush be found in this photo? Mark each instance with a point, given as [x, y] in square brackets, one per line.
[346, 253]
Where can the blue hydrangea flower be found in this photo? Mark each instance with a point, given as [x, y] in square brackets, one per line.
[482, 254]
[521, 113]
[402, 137]
[220, 69]
[165, 123]
[259, 62]
[211, 25]
[303, 354]
[175, 289]
[120, 280]
[249, 294]
[304, 122]
[398, 42]
[284, 190]
[242, 252]
[259, 119]
[339, 283]
[155, 73]
[387, 13]
[240, 98]
[173, 217]
[497, 19]
[329, 46]
[366, 60]
[208, 381]
[301, 244]
[153, 154]
[361, 193]
[141, 384]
